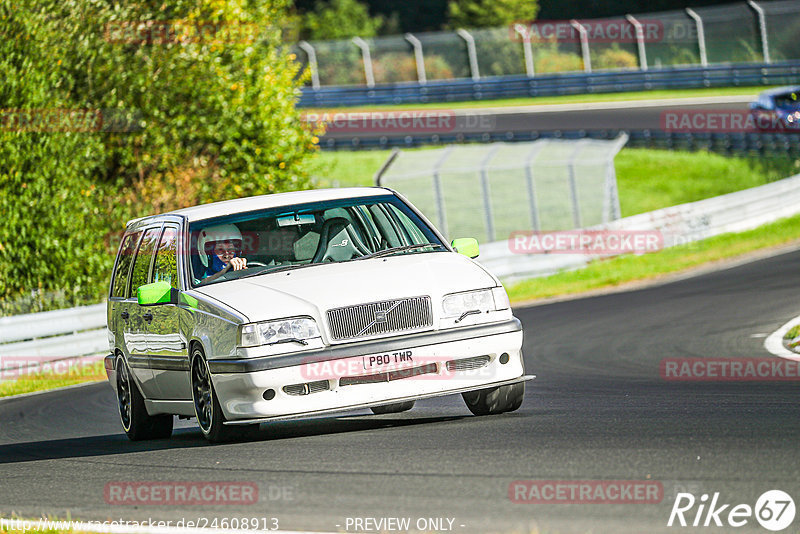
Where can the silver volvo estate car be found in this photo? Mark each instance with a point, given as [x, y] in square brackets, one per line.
[299, 304]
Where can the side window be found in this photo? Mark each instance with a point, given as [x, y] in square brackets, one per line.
[411, 230]
[166, 268]
[141, 265]
[125, 257]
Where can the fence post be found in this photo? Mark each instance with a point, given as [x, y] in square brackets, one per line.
[762, 27]
[364, 46]
[537, 147]
[587, 59]
[419, 57]
[639, 41]
[523, 32]
[611, 207]
[385, 167]
[438, 193]
[701, 35]
[487, 198]
[473, 54]
[573, 184]
[312, 62]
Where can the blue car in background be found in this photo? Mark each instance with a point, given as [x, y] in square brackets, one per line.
[777, 109]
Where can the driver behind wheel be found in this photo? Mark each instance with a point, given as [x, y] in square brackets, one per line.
[221, 246]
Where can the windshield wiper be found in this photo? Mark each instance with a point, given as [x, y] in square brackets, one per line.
[403, 248]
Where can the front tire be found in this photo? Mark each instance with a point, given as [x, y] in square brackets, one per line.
[397, 407]
[206, 406]
[136, 422]
[495, 400]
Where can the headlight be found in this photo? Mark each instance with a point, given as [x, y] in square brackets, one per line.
[295, 330]
[501, 301]
[470, 302]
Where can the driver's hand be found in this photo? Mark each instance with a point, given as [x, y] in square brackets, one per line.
[237, 264]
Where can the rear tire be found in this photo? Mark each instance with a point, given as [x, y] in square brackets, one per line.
[495, 400]
[397, 407]
[136, 422]
[206, 406]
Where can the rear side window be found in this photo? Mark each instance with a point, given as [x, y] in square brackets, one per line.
[125, 257]
[166, 268]
[141, 266]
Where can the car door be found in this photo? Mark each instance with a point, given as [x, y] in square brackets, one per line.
[118, 306]
[167, 349]
[139, 316]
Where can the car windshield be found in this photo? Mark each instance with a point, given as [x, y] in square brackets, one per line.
[308, 234]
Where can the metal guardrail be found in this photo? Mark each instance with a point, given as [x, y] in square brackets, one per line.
[729, 75]
[55, 334]
[750, 143]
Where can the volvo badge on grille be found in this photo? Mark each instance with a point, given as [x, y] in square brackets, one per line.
[380, 315]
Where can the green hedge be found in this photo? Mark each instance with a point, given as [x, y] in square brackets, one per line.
[201, 108]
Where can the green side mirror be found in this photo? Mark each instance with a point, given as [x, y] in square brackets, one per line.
[468, 246]
[157, 293]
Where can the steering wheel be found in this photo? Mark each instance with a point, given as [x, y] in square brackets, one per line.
[256, 264]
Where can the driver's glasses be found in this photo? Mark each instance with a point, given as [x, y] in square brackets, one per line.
[225, 250]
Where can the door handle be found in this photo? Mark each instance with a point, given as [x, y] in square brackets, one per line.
[148, 317]
[124, 315]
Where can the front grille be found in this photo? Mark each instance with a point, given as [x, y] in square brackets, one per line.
[307, 388]
[468, 364]
[400, 374]
[376, 318]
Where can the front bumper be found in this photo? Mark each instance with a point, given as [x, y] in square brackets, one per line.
[108, 363]
[339, 378]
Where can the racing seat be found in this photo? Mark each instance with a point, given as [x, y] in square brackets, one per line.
[338, 242]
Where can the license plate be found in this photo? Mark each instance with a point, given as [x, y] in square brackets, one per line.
[391, 360]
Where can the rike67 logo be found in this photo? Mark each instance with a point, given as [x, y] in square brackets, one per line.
[774, 510]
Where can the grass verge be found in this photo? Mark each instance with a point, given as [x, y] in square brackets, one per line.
[790, 338]
[565, 99]
[793, 332]
[51, 379]
[616, 271]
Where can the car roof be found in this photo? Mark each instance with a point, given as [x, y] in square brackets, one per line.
[781, 90]
[239, 205]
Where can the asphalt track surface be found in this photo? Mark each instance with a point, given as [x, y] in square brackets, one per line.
[599, 409]
[634, 115]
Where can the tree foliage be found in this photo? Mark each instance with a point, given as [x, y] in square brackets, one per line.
[341, 19]
[490, 13]
[197, 104]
